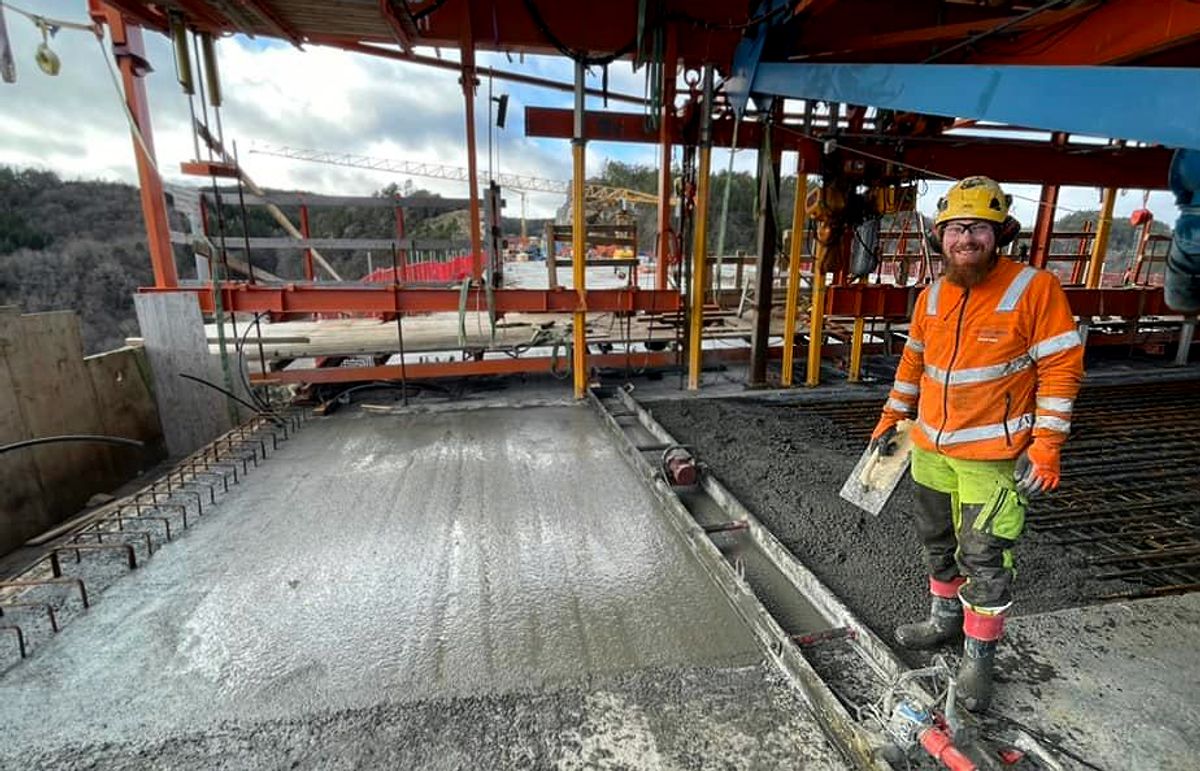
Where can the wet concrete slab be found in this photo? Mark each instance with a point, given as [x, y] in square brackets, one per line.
[1117, 684]
[426, 590]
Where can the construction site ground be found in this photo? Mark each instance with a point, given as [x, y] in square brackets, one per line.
[467, 582]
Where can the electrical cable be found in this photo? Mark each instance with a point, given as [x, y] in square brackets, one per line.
[571, 53]
[239, 346]
[263, 413]
[100, 438]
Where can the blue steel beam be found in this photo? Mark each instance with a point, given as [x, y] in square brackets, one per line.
[1157, 105]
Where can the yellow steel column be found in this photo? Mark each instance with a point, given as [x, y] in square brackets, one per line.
[579, 240]
[799, 225]
[700, 248]
[816, 331]
[1100, 242]
[856, 350]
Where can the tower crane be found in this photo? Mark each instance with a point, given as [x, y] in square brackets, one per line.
[600, 196]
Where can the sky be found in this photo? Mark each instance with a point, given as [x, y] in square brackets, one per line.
[325, 99]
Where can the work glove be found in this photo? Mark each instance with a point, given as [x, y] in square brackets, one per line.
[884, 439]
[1037, 469]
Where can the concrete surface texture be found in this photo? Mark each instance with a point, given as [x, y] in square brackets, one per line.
[480, 589]
[1118, 684]
[787, 464]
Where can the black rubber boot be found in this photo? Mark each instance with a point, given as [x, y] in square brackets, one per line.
[944, 624]
[975, 674]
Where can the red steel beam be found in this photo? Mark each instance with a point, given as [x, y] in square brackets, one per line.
[1008, 160]
[1120, 32]
[1043, 226]
[822, 47]
[136, 13]
[241, 297]
[885, 300]
[128, 39]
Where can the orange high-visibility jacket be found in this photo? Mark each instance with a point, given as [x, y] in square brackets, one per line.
[987, 370]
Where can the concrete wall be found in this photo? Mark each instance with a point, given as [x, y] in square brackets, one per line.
[47, 387]
[175, 343]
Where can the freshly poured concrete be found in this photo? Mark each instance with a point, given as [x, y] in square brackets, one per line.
[1118, 684]
[483, 588]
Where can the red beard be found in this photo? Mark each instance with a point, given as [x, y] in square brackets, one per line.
[968, 276]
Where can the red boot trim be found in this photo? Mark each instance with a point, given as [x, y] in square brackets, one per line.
[947, 590]
[982, 627]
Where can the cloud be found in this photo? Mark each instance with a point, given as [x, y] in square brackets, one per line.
[324, 98]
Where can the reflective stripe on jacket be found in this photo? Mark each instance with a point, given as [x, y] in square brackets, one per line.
[988, 369]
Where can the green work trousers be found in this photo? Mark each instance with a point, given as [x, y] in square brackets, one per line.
[969, 515]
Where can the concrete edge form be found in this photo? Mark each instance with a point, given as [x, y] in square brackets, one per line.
[886, 667]
[858, 745]
[886, 663]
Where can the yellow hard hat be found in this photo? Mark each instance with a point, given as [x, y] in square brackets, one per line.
[978, 198]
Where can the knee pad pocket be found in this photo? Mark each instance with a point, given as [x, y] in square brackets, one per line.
[1003, 516]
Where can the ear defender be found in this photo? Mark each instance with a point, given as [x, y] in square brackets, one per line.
[1007, 232]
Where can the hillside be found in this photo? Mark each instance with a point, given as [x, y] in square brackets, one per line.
[82, 244]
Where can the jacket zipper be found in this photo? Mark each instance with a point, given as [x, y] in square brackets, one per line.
[1007, 409]
[937, 443]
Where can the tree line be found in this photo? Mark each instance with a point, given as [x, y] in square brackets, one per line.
[81, 244]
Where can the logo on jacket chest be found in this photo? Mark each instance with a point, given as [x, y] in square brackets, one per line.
[992, 334]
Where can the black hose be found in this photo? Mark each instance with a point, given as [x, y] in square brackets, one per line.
[240, 347]
[71, 438]
[264, 413]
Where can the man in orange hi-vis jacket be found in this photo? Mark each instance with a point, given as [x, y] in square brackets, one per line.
[989, 375]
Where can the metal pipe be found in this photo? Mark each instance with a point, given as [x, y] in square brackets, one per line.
[799, 226]
[579, 238]
[1100, 242]
[1043, 229]
[183, 55]
[856, 351]
[816, 331]
[700, 247]
[445, 64]
[666, 117]
[469, 82]
[211, 74]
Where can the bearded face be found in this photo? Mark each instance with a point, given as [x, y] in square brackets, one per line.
[970, 251]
